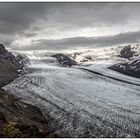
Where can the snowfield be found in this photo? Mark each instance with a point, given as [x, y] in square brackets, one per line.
[79, 103]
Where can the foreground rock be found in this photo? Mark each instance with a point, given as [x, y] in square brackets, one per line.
[18, 119]
[64, 59]
[130, 68]
[127, 52]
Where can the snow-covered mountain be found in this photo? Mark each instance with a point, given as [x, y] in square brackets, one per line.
[132, 65]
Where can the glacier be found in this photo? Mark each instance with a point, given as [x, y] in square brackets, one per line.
[77, 102]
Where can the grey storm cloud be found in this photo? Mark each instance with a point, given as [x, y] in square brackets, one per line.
[129, 37]
[18, 16]
[24, 18]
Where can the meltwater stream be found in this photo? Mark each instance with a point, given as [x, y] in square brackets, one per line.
[78, 103]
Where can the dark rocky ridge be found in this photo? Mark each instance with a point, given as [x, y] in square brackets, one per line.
[17, 119]
[64, 59]
[127, 52]
[130, 68]
[5, 54]
[9, 66]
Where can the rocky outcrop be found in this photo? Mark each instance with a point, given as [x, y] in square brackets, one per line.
[127, 52]
[131, 68]
[64, 59]
[10, 65]
[8, 56]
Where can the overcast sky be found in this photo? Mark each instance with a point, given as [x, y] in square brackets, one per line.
[62, 25]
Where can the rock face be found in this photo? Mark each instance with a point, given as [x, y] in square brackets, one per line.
[127, 52]
[65, 60]
[9, 66]
[8, 72]
[4, 54]
[130, 68]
